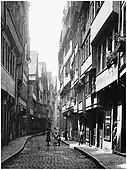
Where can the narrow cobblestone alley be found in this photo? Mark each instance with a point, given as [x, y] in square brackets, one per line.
[37, 155]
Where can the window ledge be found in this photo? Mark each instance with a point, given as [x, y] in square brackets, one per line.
[8, 72]
[101, 71]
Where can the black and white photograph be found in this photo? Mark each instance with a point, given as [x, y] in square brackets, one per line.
[63, 84]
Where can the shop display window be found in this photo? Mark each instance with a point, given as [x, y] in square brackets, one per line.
[107, 125]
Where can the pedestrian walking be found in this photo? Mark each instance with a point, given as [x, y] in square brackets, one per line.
[59, 139]
[81, 137]
[65, 133]
[48, 138]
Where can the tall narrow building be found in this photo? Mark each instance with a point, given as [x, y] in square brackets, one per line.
[14, 68]
[92, 72]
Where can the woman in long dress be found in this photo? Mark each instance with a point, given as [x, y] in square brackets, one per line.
[48, 138]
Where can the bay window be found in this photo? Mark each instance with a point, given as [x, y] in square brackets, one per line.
[103, 51]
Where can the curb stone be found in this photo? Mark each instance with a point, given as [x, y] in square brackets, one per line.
[22, 147]
[98, 162]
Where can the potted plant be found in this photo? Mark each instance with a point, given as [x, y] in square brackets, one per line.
[121, 44]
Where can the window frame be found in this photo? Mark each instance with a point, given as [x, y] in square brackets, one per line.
[99, 57]
[104, 46]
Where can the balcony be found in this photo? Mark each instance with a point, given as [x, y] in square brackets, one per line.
[67, 80]
[104, 19]
[7, 82]
[86, 64]
[74, 80]
[106, 77]
[91, 102]
[68, 53]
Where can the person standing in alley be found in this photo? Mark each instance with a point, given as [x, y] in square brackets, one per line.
[66, 134]
[48, 138]
[59, 139]
[81, 137]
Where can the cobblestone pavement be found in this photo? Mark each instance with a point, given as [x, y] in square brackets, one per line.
[37, 155]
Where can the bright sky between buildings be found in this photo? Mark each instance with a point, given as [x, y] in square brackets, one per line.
[45, 26]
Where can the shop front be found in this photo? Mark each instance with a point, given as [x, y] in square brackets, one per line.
[22, 122]
[7, 110]
[90, 127]
[90, 119]
[111, 119]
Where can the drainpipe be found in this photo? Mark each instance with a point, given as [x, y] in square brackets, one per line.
[118, 60]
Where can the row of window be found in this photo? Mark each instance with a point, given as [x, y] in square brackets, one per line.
[19, 20]
[107, 45]
[95, 7]
[7, 56]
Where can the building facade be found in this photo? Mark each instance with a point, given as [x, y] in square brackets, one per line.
[14, 68]
[52, 89]
[42, 96]
[92, 72]
[39, 108]
[33, 93]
